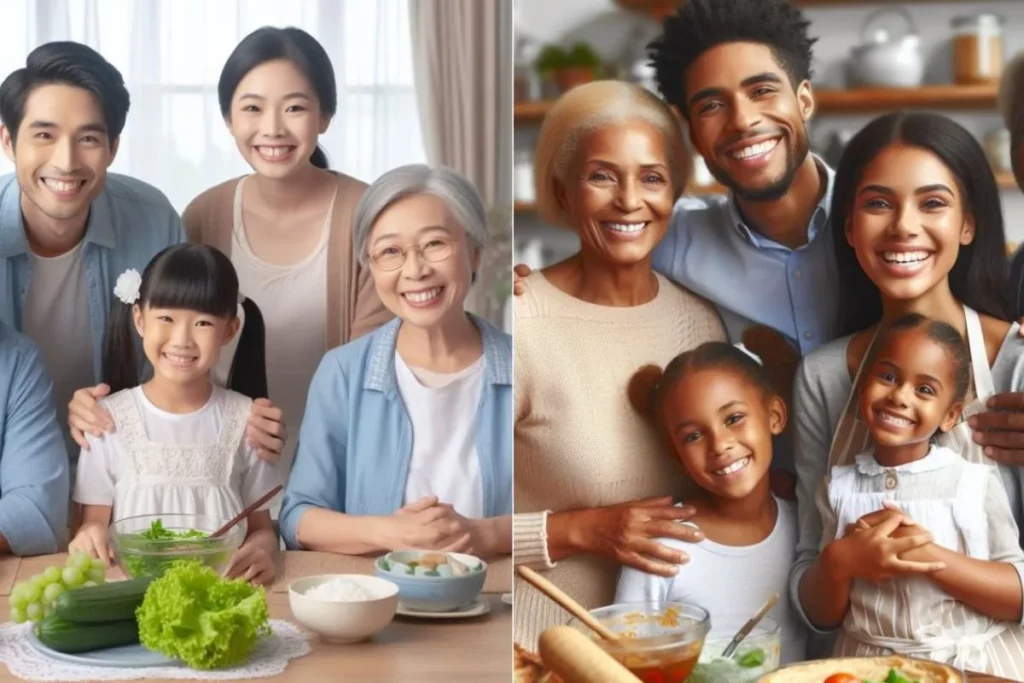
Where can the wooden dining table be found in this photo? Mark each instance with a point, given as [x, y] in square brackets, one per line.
[408, 650]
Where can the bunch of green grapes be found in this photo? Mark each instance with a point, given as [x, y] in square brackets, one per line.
[34, 599]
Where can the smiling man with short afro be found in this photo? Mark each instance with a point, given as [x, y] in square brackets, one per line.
[700, 25]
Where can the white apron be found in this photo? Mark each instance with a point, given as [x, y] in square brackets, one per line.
[911, 615]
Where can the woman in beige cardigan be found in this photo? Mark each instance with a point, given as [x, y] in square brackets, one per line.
[288, 226]
[593, 486]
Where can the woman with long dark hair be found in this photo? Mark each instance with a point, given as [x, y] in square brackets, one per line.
[180, 444]
[287, 227]
[918, 229]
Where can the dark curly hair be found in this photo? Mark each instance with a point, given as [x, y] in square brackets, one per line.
[700, 25]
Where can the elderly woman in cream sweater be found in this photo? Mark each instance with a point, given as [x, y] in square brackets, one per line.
[593, 487]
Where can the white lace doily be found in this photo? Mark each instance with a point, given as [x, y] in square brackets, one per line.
[270, 659]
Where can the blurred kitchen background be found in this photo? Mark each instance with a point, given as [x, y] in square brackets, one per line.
[938, 55]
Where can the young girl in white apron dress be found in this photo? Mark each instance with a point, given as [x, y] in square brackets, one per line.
[912, 387]
[179, 446]
[718, 410]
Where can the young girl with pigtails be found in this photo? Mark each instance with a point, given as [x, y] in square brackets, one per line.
[179, 443]
[717, 411]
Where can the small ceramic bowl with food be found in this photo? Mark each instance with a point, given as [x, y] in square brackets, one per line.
[343, 608]
[656, 640]
[433, 582]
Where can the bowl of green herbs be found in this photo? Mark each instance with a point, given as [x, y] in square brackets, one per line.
[146, 545]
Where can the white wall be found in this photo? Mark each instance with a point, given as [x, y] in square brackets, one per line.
[610, 31]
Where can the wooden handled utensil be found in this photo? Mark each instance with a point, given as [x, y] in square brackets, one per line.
[749, 626]
[245, 513]
[568, 604]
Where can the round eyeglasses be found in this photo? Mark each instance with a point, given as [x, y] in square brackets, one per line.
[393, 257]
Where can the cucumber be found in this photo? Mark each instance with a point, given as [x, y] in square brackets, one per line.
[114, 601]
[68, 637]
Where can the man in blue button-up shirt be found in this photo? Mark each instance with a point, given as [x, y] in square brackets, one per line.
[68, 228]
[33, 462]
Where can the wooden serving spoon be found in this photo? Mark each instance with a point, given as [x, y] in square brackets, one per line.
[565, 602]
[245, 513]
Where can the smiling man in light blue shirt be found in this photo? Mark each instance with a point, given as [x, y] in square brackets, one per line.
[67, 227]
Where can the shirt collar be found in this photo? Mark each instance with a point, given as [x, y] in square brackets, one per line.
[380, 375]
[818, 219]
[936, 459]
[99, 227]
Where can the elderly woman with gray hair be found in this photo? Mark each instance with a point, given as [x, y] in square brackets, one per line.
[594, 488]
[406, 441]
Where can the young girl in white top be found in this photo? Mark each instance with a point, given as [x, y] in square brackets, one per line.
[909, 502]
[717, 410]
[179, 446]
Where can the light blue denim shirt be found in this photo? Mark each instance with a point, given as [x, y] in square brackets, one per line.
[751, 279]
[129, 223]
[34, 475]
[355, 444]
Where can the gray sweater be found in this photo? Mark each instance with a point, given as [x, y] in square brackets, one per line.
[821, 390]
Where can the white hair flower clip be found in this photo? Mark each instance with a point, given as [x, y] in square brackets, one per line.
[744, 349]
[128, 285]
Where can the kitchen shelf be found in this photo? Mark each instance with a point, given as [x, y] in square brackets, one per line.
[854, 100]
[925, 97]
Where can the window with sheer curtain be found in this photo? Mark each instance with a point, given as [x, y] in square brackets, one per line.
[170, 53]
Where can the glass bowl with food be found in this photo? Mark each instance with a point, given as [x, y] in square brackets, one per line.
[658, 641]
[146, 545]
[756, 655]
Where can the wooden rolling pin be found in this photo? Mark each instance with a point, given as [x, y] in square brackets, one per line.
[577, 659]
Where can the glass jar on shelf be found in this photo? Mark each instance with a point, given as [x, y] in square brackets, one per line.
[978, 49]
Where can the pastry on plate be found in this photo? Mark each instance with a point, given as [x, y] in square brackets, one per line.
[892, 669]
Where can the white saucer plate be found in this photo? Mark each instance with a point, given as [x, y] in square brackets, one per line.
[478, 607]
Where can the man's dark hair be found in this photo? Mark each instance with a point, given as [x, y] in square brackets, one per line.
[700, 25]
[68, 63]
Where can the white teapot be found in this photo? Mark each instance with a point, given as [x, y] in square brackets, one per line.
[883, 60]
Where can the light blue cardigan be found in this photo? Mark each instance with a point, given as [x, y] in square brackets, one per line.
[355, 443]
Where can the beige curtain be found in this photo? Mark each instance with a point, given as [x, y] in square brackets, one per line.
[462, 61]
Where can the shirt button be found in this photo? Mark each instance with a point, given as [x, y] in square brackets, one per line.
[890, 481]
[796, 274]
[808, 336]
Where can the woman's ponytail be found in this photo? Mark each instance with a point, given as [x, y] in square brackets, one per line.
[319, 158]
[248, 373]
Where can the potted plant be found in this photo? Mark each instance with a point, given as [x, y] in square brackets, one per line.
[568, 68]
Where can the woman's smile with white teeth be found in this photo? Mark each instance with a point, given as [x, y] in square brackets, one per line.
[905, 256]
[627, 228]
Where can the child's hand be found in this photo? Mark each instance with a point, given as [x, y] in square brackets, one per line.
[92, 540]
[873, 554]
[86, 415]
[252, 562]
[520, 273]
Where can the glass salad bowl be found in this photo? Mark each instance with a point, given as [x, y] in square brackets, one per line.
[756, 655]
[146, 545]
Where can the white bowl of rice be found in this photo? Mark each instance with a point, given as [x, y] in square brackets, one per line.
[343, 608]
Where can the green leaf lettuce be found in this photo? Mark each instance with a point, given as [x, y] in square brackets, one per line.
[202, 619]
